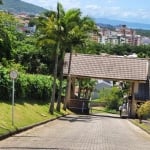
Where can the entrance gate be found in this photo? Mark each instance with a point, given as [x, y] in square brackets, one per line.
[109, 67]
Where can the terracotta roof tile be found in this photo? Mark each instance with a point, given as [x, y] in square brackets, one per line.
[107, 67]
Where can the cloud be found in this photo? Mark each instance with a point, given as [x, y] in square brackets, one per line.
[134, 15]
[117, 12]
[93, 7]
[99, 8]
[101, 11]
[51, 4]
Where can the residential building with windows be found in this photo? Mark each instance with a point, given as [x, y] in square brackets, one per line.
[121, 35]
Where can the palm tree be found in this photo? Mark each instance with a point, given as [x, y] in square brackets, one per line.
[50, 28]
[77, 36]
[64, 30]
[87, 85]
[75, 33]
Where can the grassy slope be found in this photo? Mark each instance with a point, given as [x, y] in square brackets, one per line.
[25, 114]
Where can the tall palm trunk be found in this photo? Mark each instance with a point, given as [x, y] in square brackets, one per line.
[68, 81]
[60, 84]
[51, 109]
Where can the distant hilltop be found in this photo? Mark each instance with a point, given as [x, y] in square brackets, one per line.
[18, 6]
[110, 22]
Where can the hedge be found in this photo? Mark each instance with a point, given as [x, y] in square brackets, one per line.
[30, 86]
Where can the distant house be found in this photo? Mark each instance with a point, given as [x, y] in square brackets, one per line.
[23, 25]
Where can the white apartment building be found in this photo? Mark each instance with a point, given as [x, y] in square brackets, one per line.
[121, 35]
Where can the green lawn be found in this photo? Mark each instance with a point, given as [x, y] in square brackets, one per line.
[144, 126]
[101, 109]
[25, 114]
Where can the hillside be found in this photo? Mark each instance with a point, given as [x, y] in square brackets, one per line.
[18, 6]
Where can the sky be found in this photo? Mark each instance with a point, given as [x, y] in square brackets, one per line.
[126, 10]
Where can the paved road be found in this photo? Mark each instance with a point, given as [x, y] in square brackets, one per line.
[81, 133]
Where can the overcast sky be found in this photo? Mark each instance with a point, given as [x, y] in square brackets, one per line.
[128, 10]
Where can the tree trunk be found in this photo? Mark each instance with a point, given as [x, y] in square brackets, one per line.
[60, 84]
[68, 81]
[73, 88]
[51, 109]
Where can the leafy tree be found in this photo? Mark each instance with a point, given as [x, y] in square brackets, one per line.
[29, 55]
[7, 34]
[144, 111]
[112, 97]
[86, 87]
[5, 45]
[51, 30]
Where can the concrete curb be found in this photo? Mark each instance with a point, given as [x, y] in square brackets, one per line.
[4, 136]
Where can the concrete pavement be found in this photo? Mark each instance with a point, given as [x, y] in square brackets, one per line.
[81, 132]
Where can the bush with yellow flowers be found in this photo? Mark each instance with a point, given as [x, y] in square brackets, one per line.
[144, 111]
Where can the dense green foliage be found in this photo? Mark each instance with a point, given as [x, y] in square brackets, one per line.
[86, 87]
[31, 57]
[27, 86]
[125, 49]
[144, 110]
[7, 34]
[34, 87]
[112, 97]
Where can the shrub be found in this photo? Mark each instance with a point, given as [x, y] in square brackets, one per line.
[34, 86]
[112, 97]
[144, 111]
